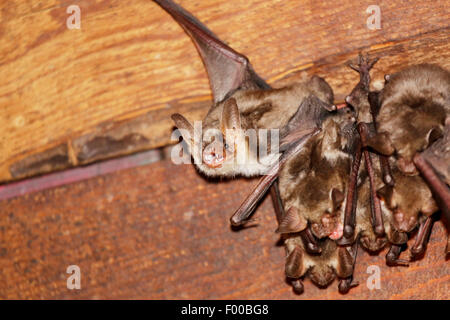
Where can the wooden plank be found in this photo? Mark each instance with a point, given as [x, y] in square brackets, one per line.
[109, 88]
[162, 232]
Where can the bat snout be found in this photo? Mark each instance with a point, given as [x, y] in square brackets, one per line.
[213, 159]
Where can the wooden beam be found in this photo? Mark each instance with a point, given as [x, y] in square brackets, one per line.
[71, 97]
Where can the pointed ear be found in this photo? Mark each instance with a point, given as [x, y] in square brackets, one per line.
[433, 135]
[185, 127]
[337, 197]
[295, 266]
[385, 194]
[231, 119]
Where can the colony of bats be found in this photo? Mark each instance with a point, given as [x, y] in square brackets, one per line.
[372, 171]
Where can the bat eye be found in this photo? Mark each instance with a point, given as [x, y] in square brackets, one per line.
[226, 146]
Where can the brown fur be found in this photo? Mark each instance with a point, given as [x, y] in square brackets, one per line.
[321, 269]
[307, 180]
[413, 102]
[260, 109]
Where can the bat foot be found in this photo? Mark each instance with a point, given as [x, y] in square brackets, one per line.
[363, 67]
[397, 262]
[394, 261]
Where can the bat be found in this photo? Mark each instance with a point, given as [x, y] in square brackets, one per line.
[414, 110]
[320, 152]
[313, 183]
[244, 102]
[322, 269]
[415, 101]
[403, 198]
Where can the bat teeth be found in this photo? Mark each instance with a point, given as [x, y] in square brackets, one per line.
[387, 77]
[294, 264]
[292, 222]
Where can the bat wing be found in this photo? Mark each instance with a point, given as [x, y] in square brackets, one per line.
[303, 125]
[247, 207]
[309, 116]
[438, 156]
[434, 165]
[227, 69]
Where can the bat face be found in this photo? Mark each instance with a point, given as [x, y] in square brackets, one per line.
[415, 103]
[240, 136]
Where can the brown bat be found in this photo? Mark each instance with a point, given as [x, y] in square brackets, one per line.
[322, 269]
[414, 109]
[313, 183]
[414, 105]
[244, 103]
[404, 198]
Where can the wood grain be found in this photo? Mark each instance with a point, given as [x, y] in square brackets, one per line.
[109, 88]
[162, 232]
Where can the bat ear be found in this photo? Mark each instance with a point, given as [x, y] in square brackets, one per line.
[434, 134]
[185, 127]
[231, 119]
[295, 267]
[292, 222]
[385, 193]
[337, 197]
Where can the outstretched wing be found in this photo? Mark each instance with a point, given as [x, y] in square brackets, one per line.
[227, 69]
